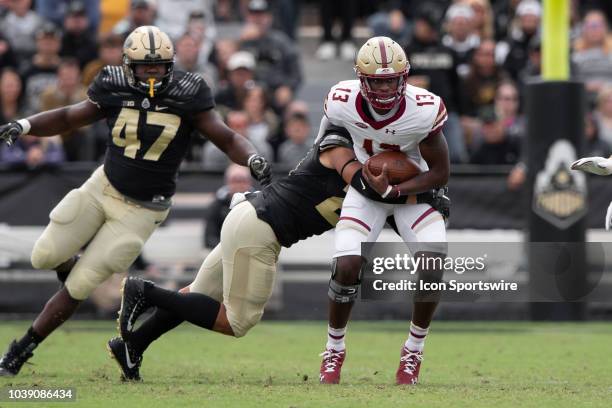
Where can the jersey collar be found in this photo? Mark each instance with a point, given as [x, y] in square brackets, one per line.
[366, 117]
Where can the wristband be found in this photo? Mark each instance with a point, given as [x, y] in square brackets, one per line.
[25, 126]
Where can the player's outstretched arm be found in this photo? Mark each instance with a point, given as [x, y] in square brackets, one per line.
[237, 147]
[596, 165]
[53, 122]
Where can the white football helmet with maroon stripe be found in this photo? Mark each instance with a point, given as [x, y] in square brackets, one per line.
[382, 58]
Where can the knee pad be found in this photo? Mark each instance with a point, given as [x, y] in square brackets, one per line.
[348, 237]
[122, 251]
[241, 324]
[42, 254]
[342, 293]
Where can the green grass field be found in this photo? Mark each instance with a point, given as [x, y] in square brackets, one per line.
[276, 365]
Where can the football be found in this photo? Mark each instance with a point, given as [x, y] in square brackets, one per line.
[400, 168]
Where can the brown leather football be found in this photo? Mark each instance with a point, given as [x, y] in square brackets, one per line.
[399, 167]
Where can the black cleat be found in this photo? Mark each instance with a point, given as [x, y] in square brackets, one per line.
[63, 270]
[11, 362]
[133, 304]
[127, 358]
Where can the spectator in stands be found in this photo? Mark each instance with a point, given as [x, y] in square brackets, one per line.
[56, 10]
[460, 36]
[187, 59]
[214, 159]
[297, 141]
[345, 9]
[390, 23]
[492, 143]
[67, 91]
[7, 56]
[241, 74]
[42, 71]
[593, 52]
[262, 121]
[237, 180]
[278, 60]
[532, 69]
[514, 51]
[10, 95]
[197, 28]
[142, 12]
[603, 113]
[19, 28]
[483, 18]
[507, 102]
[111, 53]
[432, 66]
[224, 49]
[79, 39]
[504, 12]
[32, 152]
[594, 145]
[173, 16]
[478, 89]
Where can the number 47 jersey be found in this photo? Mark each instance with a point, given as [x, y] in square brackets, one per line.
[417, 116]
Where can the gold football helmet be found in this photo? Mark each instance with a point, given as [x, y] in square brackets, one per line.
[148, 45]
[382, 58]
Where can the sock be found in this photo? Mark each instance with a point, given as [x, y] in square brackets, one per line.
[195, 308]
[335, 338]
[416, 338]
[30, 340]
[160, 322]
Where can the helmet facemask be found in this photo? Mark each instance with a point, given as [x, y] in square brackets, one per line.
[144, 46]
[379, 99]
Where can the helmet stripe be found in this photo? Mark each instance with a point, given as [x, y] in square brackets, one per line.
[151, 40]
[383, 52]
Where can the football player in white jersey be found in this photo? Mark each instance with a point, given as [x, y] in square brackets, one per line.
[383, 112]
[602, 167]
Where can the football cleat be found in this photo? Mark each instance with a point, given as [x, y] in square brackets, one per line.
[127, 358]
[133, 304]
[11, 362]
[331, 366]
[408, 370]
[64, 269]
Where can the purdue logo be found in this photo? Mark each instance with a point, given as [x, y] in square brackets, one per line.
[558, 195]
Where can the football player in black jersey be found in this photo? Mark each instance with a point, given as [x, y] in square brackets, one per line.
[235, 280]
[151, 110]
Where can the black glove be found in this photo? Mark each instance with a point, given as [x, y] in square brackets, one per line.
[9, 132]
[260, 169]
[438, 199]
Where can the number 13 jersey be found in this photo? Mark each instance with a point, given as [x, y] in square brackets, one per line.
[418, 115]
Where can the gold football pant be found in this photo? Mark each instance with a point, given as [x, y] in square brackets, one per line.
[240, 271]
[96, 213]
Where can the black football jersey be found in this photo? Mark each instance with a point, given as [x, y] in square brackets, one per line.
[148, 137]
[308, 201]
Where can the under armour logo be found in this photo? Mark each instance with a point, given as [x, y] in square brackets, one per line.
[390, 131]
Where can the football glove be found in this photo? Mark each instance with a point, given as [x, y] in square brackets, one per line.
[260, 169]
[595, 165]
[9, 132]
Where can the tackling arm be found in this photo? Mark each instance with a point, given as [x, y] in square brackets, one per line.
[237, 147]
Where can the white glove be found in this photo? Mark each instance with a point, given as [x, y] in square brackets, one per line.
[596, 165]
[609, 217]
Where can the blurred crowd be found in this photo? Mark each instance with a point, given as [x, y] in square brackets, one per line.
[478, 55]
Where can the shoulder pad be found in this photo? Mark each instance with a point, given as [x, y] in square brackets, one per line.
[112, 77]
[185, 84]
[335, 136]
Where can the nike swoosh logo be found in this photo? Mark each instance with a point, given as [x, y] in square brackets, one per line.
[127, 357]
[363, 187]
[129, 322]
[158, 108]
